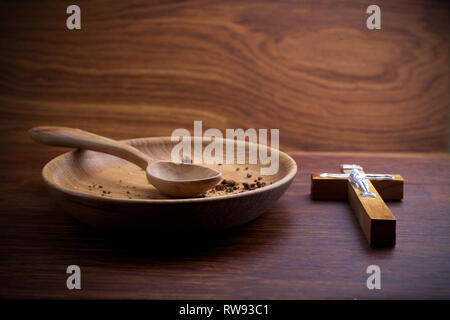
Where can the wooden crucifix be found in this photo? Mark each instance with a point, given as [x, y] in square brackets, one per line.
[366, 194]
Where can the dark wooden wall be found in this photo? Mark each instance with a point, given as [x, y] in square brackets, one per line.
[310, 68]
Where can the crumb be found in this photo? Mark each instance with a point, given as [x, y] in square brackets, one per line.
[230, 183]
[226, 185]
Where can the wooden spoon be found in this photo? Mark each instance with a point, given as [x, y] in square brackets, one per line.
[173, 179]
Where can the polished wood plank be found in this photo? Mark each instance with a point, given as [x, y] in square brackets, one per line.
[310, 68]
[375, 218]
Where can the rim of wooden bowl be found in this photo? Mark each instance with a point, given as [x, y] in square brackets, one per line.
[46, 174]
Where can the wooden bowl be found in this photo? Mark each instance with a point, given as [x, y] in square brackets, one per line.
[106, 192]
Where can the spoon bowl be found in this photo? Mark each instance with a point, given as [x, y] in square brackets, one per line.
[181, 179]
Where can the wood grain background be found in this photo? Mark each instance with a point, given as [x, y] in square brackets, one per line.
[310, 68]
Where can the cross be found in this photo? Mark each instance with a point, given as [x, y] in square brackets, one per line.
[366, 194]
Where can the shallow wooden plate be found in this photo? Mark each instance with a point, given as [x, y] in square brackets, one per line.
[109, 193]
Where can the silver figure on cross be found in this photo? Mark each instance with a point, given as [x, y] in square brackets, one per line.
[357, 178]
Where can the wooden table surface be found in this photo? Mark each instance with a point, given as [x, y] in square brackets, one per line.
[298, 249]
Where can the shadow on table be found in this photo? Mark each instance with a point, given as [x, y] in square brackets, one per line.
[251, 238]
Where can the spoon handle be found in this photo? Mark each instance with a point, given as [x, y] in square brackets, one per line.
[76, 138]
